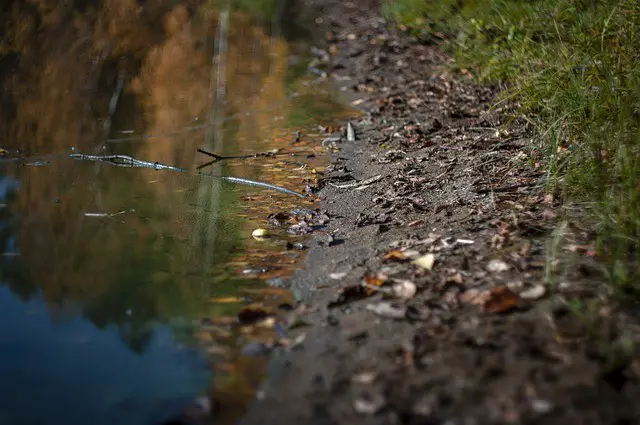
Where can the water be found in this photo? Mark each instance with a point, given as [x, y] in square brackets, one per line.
[119, 286]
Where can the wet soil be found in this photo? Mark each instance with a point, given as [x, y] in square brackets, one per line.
[439, 192]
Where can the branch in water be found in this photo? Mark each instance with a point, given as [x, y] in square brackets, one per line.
[127, 161]
[217, 157]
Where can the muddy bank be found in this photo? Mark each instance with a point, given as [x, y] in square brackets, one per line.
[440, 193]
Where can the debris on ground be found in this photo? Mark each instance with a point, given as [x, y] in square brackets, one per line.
[442, 303]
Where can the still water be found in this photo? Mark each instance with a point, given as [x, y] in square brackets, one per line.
[119, 286]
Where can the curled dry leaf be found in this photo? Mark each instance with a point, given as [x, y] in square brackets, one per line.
[404, 289]
[426, 261]
[501, 300]
[534, 293]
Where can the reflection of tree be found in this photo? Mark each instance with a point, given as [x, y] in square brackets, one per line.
[148, 268]
[11, 271]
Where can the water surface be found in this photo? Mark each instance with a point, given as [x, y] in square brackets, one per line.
[118, 286]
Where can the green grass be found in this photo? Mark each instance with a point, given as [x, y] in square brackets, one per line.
[574, 66]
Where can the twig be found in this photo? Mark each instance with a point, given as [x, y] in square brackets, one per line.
[217, 157]
[296, 138]
[504, 188]
[357, 184]
[88, 214]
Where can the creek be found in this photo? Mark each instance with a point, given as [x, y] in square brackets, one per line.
[120, 287]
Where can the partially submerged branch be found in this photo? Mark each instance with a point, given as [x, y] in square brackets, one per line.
[217, 157]
[127, 161]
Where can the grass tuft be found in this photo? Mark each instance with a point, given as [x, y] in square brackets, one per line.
[574, 66]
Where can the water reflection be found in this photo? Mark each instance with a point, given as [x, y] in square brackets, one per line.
[109, 267]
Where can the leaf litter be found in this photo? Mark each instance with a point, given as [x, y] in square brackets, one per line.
[438, 292]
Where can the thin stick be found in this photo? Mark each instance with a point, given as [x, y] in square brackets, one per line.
[217, 157]
[358, 184]
[504, 188]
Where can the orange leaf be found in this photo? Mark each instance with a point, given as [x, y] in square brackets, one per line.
[501, 300]
[395, 255]
[373, 280]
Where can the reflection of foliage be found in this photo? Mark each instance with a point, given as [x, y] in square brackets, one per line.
[262, 9]
[157, 262]
[11, 271]
[310, 108]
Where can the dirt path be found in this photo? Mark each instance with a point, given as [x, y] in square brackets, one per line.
[486, 339]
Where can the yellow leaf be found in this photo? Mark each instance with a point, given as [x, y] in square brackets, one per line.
[426, 261]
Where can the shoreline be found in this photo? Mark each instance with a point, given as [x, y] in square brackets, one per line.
[437, 199]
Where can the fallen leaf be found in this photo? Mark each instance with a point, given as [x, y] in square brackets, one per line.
[497, 266]
[475, 296]
[501, 300]
[269, 323]
[404, 289]
[260, 234]
[396, 254]
[541, 406]
[368, 405]
[455, 278]
[387, 309]
[226, 300]
[373, 281]
[292, 345]
[350, 294]
[426, 261]
[365, 378]
[534, 293]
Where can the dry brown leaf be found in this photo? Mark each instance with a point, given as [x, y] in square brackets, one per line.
[501, 300]
[375, 280]
[475, 296]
